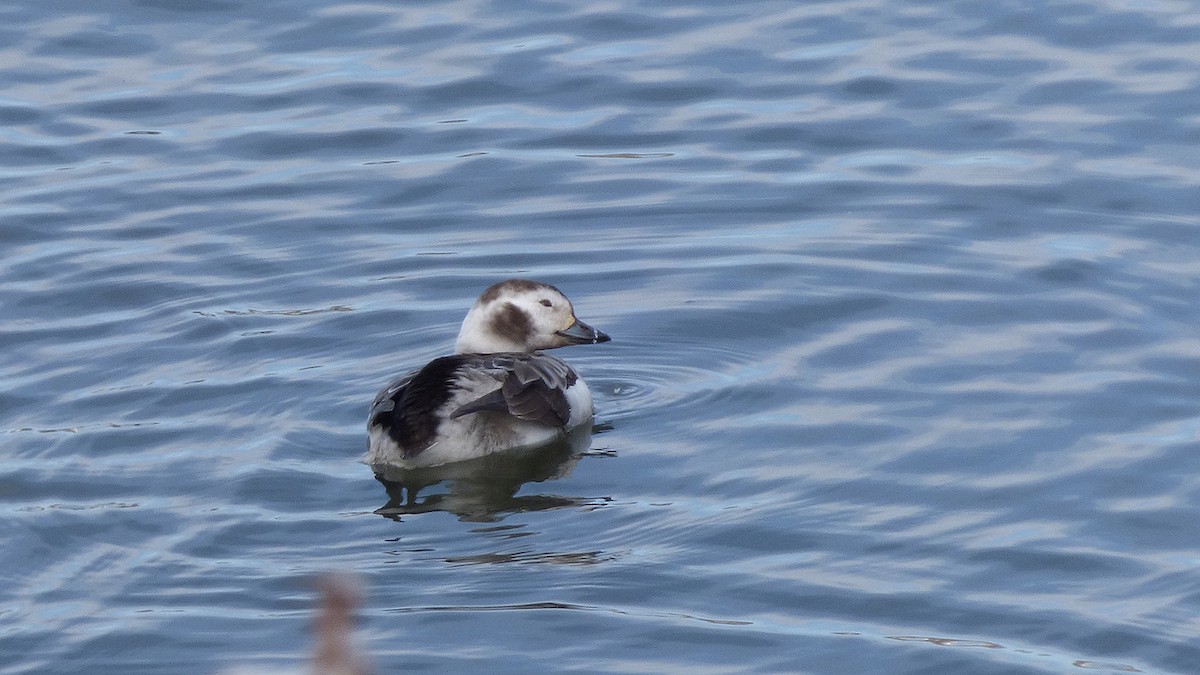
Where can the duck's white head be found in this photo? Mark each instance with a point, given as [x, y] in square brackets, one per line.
[522, 316]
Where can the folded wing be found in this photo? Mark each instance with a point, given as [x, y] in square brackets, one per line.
[532, 387]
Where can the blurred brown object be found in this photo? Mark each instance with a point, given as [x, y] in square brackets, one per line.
[334, 652]
[333, 628]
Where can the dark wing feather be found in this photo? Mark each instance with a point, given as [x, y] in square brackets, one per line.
[533, 388]
[408, 407]
[493, 401]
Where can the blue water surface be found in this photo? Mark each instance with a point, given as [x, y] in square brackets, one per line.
[904, 377]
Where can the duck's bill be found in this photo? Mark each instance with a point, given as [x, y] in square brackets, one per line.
[579, 333]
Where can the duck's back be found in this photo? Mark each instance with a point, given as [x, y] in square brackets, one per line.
[468, 405]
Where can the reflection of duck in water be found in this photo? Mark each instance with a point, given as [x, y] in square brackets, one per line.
[484, 488]
[497, 392]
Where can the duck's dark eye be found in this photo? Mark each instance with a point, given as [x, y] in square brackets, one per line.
[546, 303]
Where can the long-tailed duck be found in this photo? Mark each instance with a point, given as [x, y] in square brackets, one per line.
[497, 392]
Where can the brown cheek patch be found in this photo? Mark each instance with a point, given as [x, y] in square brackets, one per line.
[512, 323]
